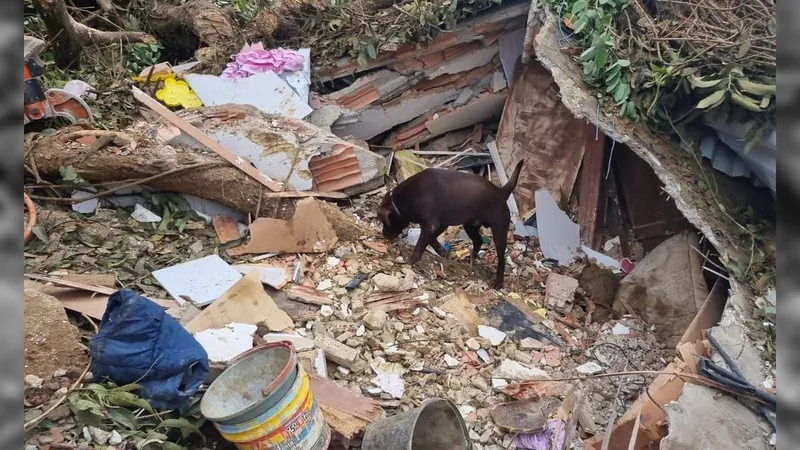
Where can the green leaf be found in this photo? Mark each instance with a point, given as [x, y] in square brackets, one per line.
[745, 101]
[602, 58]
[69, 173]
[588, 54]
[619, 93]
[362, 58]
[187, 428]
[701, 83]
[612, 87]
[172, 446]
[123, 417]
[128, 400]
[754, 138]
[371, 51]
[758, 89]
[453, 5]
[578, 6]
[623, 63]
[580, 24]
[38, 231]
[712, 101]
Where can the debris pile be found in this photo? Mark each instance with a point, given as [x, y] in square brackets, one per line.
[206, 233]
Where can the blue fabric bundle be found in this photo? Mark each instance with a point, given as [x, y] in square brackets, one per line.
[140, 343]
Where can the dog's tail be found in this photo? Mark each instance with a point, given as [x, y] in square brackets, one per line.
[512, 182]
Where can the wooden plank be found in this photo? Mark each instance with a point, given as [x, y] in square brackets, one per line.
[202, 138]
[73, 284]
[589, 186]
[538, 128]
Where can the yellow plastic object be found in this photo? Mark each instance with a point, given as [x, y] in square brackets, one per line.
[178, 93]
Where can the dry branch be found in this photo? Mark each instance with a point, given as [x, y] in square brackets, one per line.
[69, 36]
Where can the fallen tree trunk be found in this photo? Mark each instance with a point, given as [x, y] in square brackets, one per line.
[69, 36]
[197, 25]
[155, 147]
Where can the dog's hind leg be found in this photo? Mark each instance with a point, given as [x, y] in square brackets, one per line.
[474, 233]
[500, 235]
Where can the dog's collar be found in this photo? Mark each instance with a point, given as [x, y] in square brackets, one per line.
[394, 206]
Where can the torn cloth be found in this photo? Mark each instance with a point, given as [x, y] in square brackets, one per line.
[139, 343]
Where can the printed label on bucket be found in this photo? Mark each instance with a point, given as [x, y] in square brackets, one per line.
[295, 423]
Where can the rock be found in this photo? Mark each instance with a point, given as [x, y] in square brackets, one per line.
[440, 313]
[620, 329]
[99, 436]
[480, 383]
[495, 336]
[499, 383]
[451, 362]
[514, 370]
[361, 331]
[31, 447]
[62, 412]
[522, 357]
[33, 381]
[326, 310]
[560, 292]
[529, 344]
[115, 438]
[375, 319]
[386, 282]
[324, 285]
[589, 368]
[341, 280]
[59, 373]
[473, 344]
[333, 261]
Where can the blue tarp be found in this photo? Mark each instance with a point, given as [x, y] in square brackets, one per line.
[140, 343]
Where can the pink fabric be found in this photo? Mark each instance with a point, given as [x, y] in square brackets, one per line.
[254, 59]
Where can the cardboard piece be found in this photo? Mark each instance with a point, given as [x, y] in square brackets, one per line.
[463, 310]
[308, 231]
[200, 281]
[245, 302]
[227, 228]
[83, 300]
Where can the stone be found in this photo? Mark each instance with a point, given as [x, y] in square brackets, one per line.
[386, 282]
[499, 383]
[324, 285]
[529, 344]
[440, 313]
[514, 370]
[451, 362]
[115, 438]
[341, 280]
[375, 319]
[59, 373]
[620, 329]
[480, 383]
[60, 413]
[326, 310]
[589, 368]
[560, 292]
[495, 336]
[361, 330]
[33, 381]
[99, 436]
[473, 344]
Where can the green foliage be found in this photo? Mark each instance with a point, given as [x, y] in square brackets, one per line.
[593, 24]
[108, 406]
[141, 55]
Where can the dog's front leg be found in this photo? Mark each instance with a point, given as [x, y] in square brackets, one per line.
[425, 236]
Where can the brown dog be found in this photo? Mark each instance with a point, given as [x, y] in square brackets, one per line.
[438, 198]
